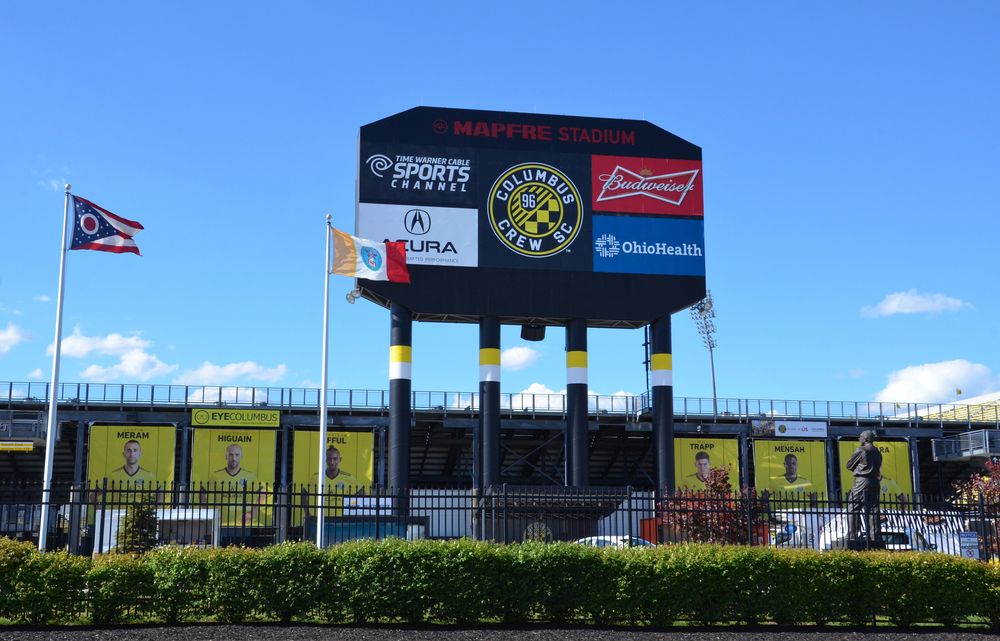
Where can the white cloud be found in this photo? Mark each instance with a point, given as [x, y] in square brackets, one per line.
[938, 382]
[209, 374]
[538, 397]
[36, 374]
[911, 303]
[857, 372]
[79, 345]
[11, 336]
[540, 388]
[517, 358]
[231, 394]
[43, 298]
[52, 184]
[135, 365]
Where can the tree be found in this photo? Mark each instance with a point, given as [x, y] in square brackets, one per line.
[717, 514]
[137, 531]
[987, 489]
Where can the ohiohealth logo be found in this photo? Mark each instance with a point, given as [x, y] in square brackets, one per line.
[607, 246]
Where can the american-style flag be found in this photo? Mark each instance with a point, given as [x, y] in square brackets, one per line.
[97, 228]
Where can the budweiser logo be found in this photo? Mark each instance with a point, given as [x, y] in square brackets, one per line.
[668, 188]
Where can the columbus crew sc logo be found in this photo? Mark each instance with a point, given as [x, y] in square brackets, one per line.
[535, 210]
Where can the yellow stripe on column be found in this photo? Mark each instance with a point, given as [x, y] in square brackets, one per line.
[576, 367]
[400, 365]
[489, 365]
[661, 371]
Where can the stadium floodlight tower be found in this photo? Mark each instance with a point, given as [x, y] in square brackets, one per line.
[702, 313]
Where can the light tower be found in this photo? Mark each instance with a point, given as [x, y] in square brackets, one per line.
[702, 313]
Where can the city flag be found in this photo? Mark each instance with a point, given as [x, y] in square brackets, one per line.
[367, 259]
[97, 228]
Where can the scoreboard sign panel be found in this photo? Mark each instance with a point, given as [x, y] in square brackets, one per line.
[533, 218]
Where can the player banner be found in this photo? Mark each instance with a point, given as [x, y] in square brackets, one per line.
[233, 470]
[349, 466]
[790, 467]
[895, 484]
[693, 457]
[132, 455]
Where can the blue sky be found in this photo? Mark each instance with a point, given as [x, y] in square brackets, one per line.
[850, 163]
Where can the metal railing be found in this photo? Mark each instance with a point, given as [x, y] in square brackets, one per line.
[104, 517]
[85, 395]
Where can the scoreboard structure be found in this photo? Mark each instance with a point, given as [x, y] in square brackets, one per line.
[533, 220]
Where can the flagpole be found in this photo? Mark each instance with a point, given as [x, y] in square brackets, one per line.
[320, 502]
[50, 434]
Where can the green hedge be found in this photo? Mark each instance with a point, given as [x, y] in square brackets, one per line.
[466, 582]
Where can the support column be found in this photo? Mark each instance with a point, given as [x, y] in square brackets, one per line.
[577, 450]
[400, 365]
[911, 442]
[489, 401]
[662, 381]
[183, 495]
[79, 490]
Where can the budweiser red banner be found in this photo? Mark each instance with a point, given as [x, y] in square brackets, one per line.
[647, 186]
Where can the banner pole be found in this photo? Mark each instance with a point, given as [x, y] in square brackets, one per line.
[50, 434]
[320, 503]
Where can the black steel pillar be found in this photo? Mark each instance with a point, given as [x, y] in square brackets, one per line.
[577, 446]
[400, 365]
[661, 372]
[79, 491]
[489, 400]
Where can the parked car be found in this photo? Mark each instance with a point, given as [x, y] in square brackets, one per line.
[614, 542]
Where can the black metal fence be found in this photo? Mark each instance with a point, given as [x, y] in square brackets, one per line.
[106, 516]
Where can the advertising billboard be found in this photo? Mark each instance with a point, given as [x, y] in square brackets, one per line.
[533, 218]
[694, 457]
[783, 468]
[895, 484]
[349, 467]
[131, 455]
[815, 429]
[232, 470]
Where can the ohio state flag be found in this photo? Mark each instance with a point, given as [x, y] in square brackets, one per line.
[367, 259]
[97, 228]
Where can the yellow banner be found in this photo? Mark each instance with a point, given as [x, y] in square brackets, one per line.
[790, 467]
[693, 457]
[349, 465]
[895, 481]
[233, 468]
[131, 454]
[236, 418]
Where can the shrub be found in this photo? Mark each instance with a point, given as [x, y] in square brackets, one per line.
[180, 582]
[120, 587]
[290, 577]
[232, 593]
[49, 588]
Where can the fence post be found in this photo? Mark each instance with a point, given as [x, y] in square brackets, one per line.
[749, 509]
[99, 540]
[74, 518]
[281, 514]
[983, 535]
[628, 494]
[504, 514]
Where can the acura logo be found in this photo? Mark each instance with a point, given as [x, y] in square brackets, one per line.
[417, 222]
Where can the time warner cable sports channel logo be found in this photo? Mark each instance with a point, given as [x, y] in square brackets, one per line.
[535, 210]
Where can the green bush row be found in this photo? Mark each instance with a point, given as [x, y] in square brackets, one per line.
[468, 582]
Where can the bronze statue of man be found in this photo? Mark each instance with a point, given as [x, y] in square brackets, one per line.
[866, 466]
